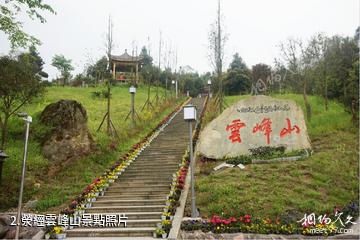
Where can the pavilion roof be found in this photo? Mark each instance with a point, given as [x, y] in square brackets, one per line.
[125, 57]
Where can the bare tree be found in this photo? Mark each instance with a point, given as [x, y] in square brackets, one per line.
[158, 77]
[109, 45]
[298, 61]
[217, 39]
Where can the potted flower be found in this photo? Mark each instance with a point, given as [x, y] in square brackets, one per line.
[167, 208]
[166, 225]
[166, 216]
[59, 232]
[80, 210]
[111, 178]
[169, 201]
[160, 233]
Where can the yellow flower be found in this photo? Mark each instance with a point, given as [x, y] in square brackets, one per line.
[58, 230]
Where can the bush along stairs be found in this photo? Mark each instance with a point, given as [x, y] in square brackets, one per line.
[129, 200]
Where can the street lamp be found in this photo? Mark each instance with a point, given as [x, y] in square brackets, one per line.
[176, 87]
[209, 84]
[28, 120]
[3, 156]
[190, 116]
[172, 84]
[132, 91]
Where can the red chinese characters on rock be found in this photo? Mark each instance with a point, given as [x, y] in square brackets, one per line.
[264, 126]
[289, 129]
[235, 130]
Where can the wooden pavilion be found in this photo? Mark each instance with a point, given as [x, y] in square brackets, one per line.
[125, 68]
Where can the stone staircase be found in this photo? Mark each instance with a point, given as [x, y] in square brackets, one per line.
[140, 192]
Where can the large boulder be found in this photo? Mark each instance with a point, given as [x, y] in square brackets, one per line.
[69, 137]
[251, 123]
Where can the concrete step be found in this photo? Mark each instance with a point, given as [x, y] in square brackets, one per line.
[125, 209]
[150, 164]
[132, 196]
[151, 170]
[127, 202]
[148, 174]
[163, 150]
[152, 161]
[135, 192]
[140, 183]
[120, 186]
[111, 232]
[136, 178]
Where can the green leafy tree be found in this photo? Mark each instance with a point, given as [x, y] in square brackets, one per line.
[237, 79]
[64, 66]
[10, 11]
[18, 85]
[146, 58]
[99, 70]
[36, 61]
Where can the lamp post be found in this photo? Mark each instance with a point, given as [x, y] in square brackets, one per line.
[132, 91]
[190, 116]
[176, 88]
[173, 84]
[209, 84]
[28, 120]
[3, 156]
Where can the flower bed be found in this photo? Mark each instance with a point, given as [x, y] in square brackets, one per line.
[324, 225]
[177, 186]
[261, 154]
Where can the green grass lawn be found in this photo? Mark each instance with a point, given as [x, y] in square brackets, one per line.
[328, 178]
[55, 191]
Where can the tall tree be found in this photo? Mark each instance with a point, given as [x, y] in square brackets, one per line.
[318, 55]
[260, 74]
[64, 67]
[237, 78]
[10, 11]
[146, 58]
[217, 39]
[299, 62]
[109, 45]
[18, 85]
[36, 61]
[99, 70]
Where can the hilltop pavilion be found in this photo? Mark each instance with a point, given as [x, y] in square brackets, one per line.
[125, 66]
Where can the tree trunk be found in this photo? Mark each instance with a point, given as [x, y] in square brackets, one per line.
[307, 104]
[326, 88]
[326, 95]
[108, 110]
[353, 111]
[4, 132]
[345, 90]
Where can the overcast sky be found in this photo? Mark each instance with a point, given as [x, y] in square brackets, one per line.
[254, 27]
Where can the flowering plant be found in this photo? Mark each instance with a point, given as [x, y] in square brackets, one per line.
[58, 230]
[166, 225]
[160, 232]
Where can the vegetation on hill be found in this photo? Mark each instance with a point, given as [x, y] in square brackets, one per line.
[52, 191]
[317, 184]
